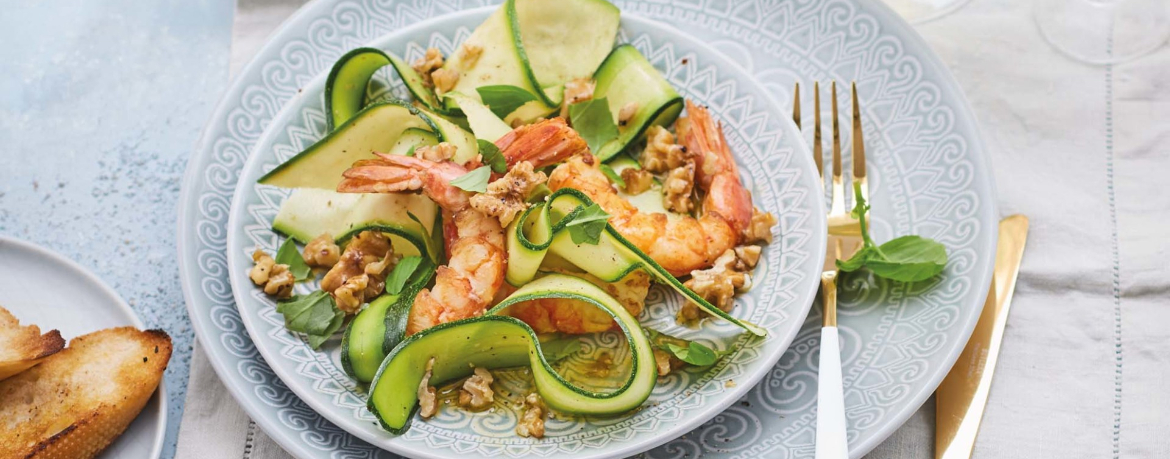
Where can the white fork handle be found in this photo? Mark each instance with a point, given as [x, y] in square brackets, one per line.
[831, 440]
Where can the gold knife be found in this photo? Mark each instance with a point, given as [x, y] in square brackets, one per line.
[962, 396]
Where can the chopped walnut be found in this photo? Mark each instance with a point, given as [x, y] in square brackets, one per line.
[427, 400]
[470, 53]
[322, 251]
[532, 421]
[477, 390]
[627, 113]
[661, 153]
[718, 283]
[760, 228]
[444, 79]
[749, 255]
[437, 153]
[276, 279]
[507, 197]
[637, 180]
[427, 64]
[578, 90]
[676, 190]
[352, 279]
[664, 361]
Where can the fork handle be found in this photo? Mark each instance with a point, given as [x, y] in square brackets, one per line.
[831, 440]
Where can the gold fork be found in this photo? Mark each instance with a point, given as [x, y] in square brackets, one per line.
[844, 241]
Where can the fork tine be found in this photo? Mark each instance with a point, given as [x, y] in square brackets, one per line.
[796, 105]
[818, 151]
[838, 205]
[858, 147]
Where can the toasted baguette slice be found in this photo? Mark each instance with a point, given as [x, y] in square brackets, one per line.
[23, 347]
[76, 402]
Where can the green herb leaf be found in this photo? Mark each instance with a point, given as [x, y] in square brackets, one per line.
[288, 254]
[586, 227]
[475, 181]
[504, 99]
[314, 314]
[905, 259]
[908, 259]
[403, 271]
[695, 354]
[557, 349]
[410, 152]
[593, 120]
[613, 176]
[492, 156]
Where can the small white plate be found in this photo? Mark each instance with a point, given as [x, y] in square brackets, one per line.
[41, 287]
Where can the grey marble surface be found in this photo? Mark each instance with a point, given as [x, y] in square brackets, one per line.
[101, 103]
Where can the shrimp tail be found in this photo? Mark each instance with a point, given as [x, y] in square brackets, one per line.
[547, 142]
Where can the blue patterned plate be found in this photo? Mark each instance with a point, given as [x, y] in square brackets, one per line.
[929, 176]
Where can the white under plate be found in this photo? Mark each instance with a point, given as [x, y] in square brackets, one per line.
[41, 287]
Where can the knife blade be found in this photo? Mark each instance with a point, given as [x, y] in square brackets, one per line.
[962, 396]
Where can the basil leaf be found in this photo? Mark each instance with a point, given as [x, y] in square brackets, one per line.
[402, 272]
[560, 348]
[695, 354]
[613, 176]
[314, 314]
[586, 226]
[492, 156]
[593, 120]
[905, 259]
[288, 254]
[475, 181]
[410, 152]
[908, 259]
[504, 99]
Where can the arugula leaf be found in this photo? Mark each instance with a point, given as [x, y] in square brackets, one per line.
[405, 270]
[586, 227]
[504, 99]
[593, 120]
[613, 176]
[288, 254]
[905, 259]
[475, 181]
[492, 156]
[688, 351]
[557, 349]
[314, 314]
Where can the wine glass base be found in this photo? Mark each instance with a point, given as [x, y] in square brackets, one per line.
[920, 11]
[1103, 32]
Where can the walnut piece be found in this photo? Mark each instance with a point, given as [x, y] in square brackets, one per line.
[637, 180]
[578, 90]
[437, 153]
[322, 252]
[532, 421]
[719, 283]
[427, 64]
[477, 390]
[627, 113]
[275, 278]
[360, 273]
[676, 190]
[661, 153]
[428, 402]
[760, 227]
[470, 53]
[507, 196]
[662, 360]
[444, 79]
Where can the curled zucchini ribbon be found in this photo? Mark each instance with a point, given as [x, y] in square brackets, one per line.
[500, 341]
[345, 89]
[542, 229]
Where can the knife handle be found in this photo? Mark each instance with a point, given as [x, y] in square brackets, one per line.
[831, 440]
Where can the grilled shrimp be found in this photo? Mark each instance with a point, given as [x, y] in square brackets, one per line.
[475, 242]
[544, 143]
[680, 244]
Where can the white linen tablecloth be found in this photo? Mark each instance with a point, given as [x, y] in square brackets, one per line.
[1083, 151]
